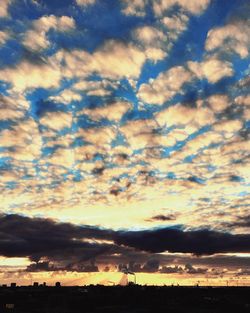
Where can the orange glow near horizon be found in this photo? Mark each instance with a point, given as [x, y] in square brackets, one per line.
[115, 278]
[124, 141]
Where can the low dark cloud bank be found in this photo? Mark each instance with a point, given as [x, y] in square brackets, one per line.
[38, 238]
[198, 242]
[70, 245]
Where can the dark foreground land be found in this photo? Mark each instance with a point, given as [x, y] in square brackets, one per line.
[130, 299]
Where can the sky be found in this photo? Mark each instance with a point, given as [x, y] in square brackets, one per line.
[124, 141]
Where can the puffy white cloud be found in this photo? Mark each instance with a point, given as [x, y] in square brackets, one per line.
[62, 157]
[113, 112]
[175, 25]
[148, 34]
[66, 96]
[228, 127]
[158, 40]
[134, 7]
[243, 100]
[100, 137]
[212, 69]
[155, 54]
[8, 176]
[138, 7]
[180, 116]
[62, 141]
[36, 38]
[153, 41]
[87, 152]
[194, 6]
[8, 113]
[105, 61]
[57, 120]
[230, 38]
[200, 142]
[85, 3]
[237, 145]
[218, 102]
[99, 92]
[176, 22]
[24, 138]
[27, 75]
[175, 115]
[142, 133]
[13, 107]
[96, 88]
[247, 114]
[3, 37]
[165, 86]
[4, 7]
[169, 83]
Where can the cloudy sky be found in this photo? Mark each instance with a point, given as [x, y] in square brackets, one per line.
[124, 141]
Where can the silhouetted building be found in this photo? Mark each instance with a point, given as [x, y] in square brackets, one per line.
[58, 284]
[35, 284]
[13, 285]
[9, 306]
[142, 299]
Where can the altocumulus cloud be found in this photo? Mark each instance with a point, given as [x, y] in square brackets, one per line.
[129, 114]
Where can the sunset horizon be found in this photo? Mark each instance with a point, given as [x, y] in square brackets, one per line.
[124, 142]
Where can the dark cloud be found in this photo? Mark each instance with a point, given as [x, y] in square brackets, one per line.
[98, 171]
[115, 191]
[162, 217]
[245, 272]
[84, 268]
[151, 266]
[38, 238]
[52, 246]
[215, 272]
[188, 269]
[197, 242]
[46, 266]
[192, 270]
[223, 261]
[135, 267]
[40, 267]
[171, 269]
[243, 222]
